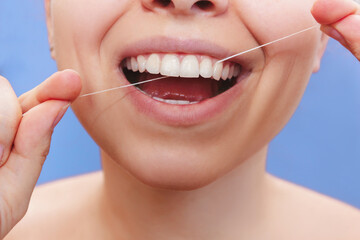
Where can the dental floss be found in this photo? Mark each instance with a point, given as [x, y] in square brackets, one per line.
[222, 60]
[129, 85]
[266, 44]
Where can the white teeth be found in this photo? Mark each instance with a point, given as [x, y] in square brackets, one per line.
[190, 67]
[206, 69]
[153, 64]
[170, 66]
[141, 63]
[128, 63]
[176, 102]
[231, 72]
[218, 71]
[237, 70]
[134, 64]
[225, 72]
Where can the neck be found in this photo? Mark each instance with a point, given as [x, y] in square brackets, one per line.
[233, 203]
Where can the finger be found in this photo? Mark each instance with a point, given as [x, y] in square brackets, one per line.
[65, 85]
[340, 20]
[31, 146]
[327, 12]
[10, 115]
[347, 32]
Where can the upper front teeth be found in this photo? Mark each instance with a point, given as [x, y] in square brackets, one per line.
[206, 68]
[153, 64]
[170, 66]
[188, 66]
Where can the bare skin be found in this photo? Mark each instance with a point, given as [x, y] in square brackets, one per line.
[296, 213]
[132, 199]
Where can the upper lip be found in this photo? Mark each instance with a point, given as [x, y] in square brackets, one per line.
[161, 44]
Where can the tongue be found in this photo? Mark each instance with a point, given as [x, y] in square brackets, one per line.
[189, 89]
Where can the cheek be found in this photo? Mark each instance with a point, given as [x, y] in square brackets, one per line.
[278, 92]
[277, 86]
[280, 84]
[268, 20]
[80, 25]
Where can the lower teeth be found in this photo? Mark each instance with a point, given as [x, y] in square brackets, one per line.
[175, 102]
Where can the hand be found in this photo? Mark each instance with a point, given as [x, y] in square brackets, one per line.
[340, 19]
[25, 140]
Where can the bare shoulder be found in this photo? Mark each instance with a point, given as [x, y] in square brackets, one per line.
[311, 215]
[57, 208]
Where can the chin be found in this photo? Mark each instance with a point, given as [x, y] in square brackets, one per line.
[181, 172]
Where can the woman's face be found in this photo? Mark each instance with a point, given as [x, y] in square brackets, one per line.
[211, 126]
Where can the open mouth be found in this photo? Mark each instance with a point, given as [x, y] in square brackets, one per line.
[190, 78]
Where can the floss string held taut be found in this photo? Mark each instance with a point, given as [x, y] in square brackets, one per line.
[267, 44]
[124, 86]
[220, 61]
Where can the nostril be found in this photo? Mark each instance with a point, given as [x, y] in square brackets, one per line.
[162, 3]
[203, 5]
[188, 7]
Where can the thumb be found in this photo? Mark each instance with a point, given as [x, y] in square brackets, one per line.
[347, 32]
[31, 146]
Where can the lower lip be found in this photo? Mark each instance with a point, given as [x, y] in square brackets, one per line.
[185, 115]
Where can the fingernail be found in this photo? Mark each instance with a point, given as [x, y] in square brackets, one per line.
[60, 115]
[332, 32]
[2, 149]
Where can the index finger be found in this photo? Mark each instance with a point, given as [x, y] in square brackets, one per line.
[340, 20]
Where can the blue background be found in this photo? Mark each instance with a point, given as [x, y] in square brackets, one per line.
[319, 148]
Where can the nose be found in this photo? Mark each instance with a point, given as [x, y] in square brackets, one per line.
[187, 7]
